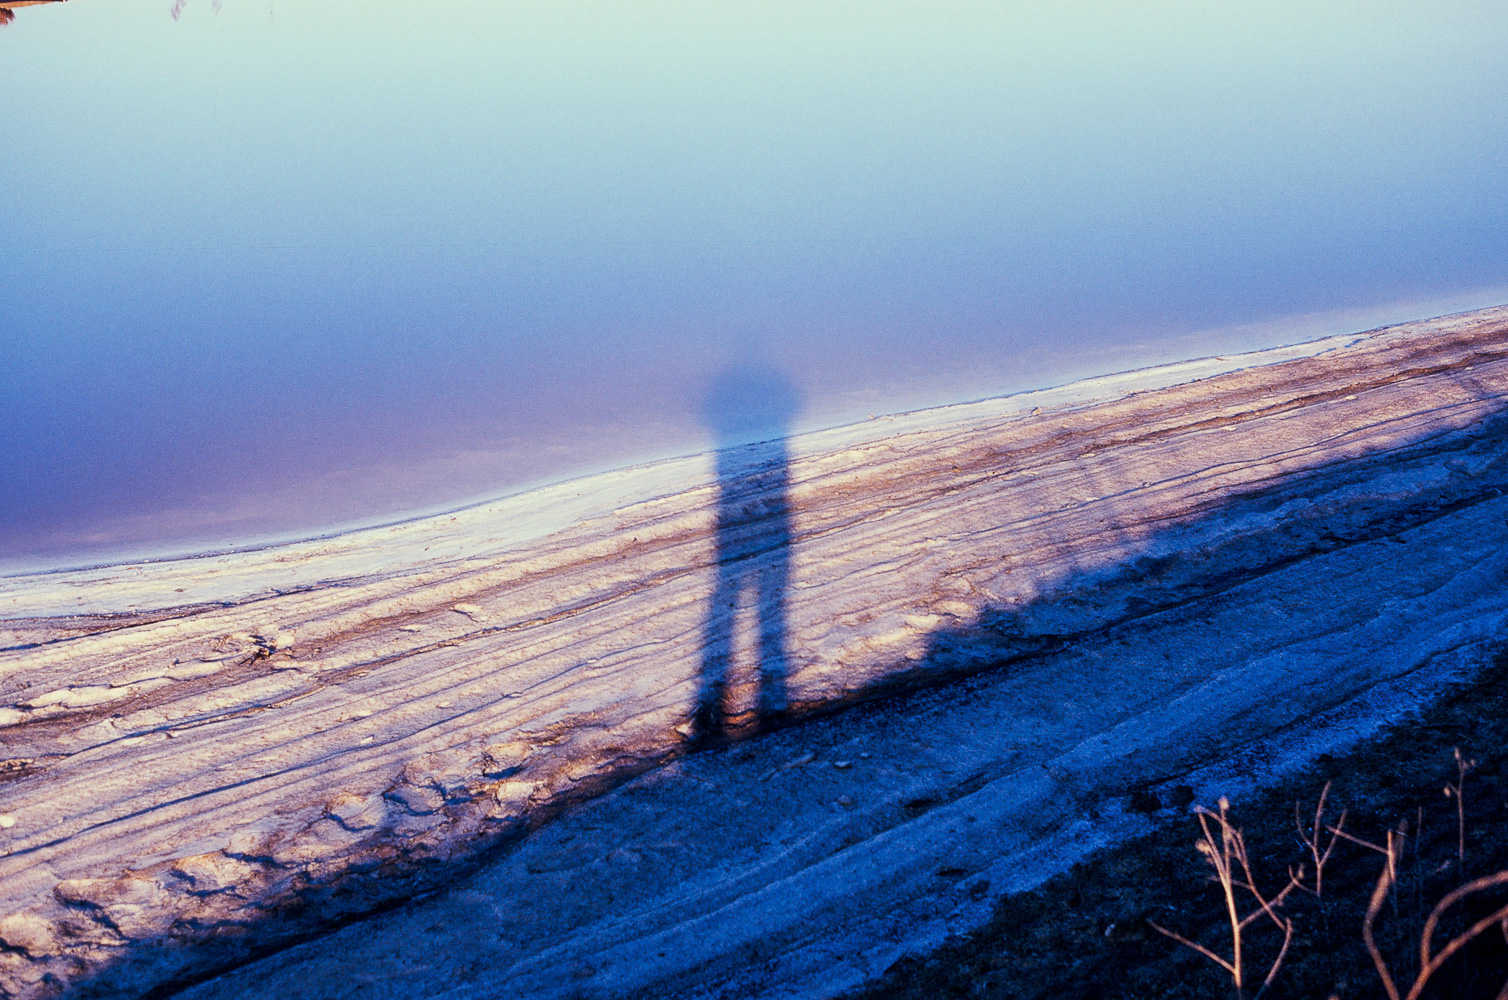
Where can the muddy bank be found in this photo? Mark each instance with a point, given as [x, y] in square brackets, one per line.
[209, 758]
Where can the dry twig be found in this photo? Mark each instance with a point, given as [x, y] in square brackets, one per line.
[1429, 960]
[1311, 840]
[1455, 790]
[1232, 865]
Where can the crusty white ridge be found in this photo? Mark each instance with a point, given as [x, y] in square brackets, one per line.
[207, 756]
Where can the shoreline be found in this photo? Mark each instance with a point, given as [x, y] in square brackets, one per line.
[1231, 340]
[639, 482]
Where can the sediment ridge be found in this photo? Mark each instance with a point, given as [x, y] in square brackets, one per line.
[1119, 584]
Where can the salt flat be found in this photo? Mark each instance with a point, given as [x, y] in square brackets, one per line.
[1193, 574]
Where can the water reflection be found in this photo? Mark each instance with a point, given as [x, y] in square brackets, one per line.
[744, 649]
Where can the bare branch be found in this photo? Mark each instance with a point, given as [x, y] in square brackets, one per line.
[1456, 790]
[1429, 964]
[1358, 841]
[1311, 839]
[1379, 895]
[1201, 949]
[1277, 963]
[1228, 855]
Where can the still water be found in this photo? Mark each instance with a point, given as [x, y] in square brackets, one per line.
[276, 266]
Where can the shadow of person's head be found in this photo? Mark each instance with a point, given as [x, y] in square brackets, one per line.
[749, 402]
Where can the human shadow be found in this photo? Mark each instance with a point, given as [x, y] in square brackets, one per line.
[748, 409]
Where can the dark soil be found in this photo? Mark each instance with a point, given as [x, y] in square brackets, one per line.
[1085, 935]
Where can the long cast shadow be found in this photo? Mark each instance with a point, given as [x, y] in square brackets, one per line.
[749, 410]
